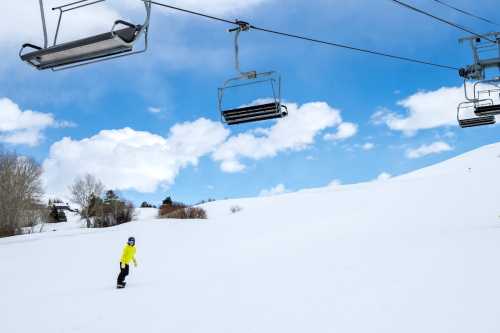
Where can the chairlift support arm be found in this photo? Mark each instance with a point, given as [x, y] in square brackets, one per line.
[476, 71]
[44, 25]
[242, 26]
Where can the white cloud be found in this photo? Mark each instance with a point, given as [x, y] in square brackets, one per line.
[64, 124]
[344, 131]
[368, 146]
[335, 183]
[293, 133]
[384, 176]
[154, 109]
[222, 6]
[278, 189]
[22, 127]
[232, 166]
[207, 6]
[12, 118]
[424, 150]
[425, 110]
[449, 134]
[28, 137]
[127, 159]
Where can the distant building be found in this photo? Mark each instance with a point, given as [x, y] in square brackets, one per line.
[62, 206]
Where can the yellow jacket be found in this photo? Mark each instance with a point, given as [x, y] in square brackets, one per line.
[128, 255]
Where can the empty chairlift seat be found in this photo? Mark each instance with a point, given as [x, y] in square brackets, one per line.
[254, 113]
[478, 121]
[472, 121]
[117, 42]
[84, 50]
[271, 109]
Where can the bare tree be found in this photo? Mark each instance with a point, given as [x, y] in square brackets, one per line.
[21, 192]
[83, 191]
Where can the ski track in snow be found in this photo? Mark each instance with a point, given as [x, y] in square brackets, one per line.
[416, 253]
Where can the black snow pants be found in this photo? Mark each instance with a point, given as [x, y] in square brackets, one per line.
[123, 274]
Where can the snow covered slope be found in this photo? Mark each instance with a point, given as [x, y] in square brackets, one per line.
[417, 253]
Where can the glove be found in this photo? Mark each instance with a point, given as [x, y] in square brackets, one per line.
[122, 265]
[135, 263]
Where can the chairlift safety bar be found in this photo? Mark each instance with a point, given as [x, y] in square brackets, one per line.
[65, 9]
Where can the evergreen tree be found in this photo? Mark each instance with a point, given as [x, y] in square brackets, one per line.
[168, 201]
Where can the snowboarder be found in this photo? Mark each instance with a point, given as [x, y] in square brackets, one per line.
[127, 256]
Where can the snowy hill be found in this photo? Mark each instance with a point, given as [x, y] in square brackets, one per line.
[417, 253]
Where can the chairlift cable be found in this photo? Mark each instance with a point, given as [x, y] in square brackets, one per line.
[193, 12]
[466, 12]
[423, 62]
[403, 4]
[314, 40]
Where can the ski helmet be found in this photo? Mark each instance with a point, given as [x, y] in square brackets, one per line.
[131, 240]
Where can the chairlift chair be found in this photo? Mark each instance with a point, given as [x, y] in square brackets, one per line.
[486, 56]
[473, 121]
[267, 110]
[118, 42]
[484, 99]
[492, 90]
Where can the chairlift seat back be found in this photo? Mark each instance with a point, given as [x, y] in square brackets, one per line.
[478, 121]
[82, 50]
[254, 113]
[487, 110]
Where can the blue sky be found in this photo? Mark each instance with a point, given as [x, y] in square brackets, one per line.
[190, 57]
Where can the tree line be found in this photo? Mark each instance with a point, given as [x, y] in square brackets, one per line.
[22, 208]
[21, 198]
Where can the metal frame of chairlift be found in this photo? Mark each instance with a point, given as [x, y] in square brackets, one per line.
[110, 45]
[482, 101]
[251, 113]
